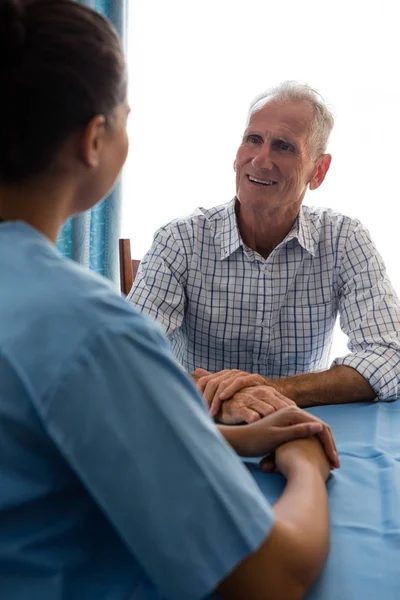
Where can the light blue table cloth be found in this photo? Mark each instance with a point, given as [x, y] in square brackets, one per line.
[364, 495]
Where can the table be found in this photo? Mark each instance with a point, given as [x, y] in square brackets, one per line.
[364, 496]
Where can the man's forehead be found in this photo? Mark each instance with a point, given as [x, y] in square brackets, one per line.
[292, 118]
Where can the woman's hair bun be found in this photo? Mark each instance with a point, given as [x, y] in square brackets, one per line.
[61, 64]
[12, 32]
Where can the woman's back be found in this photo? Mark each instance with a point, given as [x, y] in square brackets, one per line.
[54, 538]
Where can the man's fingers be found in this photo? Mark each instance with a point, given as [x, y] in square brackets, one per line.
[209, 394]
[205, 376]
[212, 393]
[270, 392]
[213, 378]
[201, 383]
[274, 401]
[215, 405]
[284, 399]
[261, 407]
[247, 415]
[212, 385]
[228, 389]
[206, 382]
[199, 373]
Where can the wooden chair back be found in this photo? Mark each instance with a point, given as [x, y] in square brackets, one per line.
[127, 267]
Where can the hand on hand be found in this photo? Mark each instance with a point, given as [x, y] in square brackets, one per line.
[290, 455]
[252, 404]
[249, 394]
[285, 425]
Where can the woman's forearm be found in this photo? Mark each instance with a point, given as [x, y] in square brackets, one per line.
[304, 507]
[239, 437]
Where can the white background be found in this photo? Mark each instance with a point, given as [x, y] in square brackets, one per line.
[195, 67]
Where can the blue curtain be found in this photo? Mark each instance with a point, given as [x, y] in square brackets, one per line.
[92, 237]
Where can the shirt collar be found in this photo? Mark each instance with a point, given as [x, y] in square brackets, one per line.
[303, 230]
[230, 236]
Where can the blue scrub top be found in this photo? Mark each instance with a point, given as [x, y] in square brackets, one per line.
[114, 482]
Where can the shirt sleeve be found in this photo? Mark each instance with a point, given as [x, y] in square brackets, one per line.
[158, 290]
[133, 427]
[370, 316]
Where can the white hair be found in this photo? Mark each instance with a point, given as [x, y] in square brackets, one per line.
[292, 91]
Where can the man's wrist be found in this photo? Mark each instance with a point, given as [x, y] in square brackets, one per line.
[283, 386]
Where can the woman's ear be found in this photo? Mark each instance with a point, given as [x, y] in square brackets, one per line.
[92, 140]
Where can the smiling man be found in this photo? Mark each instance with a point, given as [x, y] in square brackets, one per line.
[249, 291]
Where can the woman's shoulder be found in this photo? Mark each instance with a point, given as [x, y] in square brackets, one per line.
[51, 306]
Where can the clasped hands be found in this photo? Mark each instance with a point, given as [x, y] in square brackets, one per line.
[235, 397]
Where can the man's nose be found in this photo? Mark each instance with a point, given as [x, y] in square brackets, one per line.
[263, 159]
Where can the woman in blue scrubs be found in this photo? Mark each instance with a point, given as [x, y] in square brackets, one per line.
[114, 481]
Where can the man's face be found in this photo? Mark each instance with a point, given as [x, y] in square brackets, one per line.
[273, 163]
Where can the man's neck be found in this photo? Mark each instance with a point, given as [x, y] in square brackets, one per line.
[263, 231]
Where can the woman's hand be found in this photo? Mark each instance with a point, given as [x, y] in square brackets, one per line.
[284, 425]
[295, 455]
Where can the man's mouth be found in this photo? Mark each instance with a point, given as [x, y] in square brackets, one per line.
[265, 182]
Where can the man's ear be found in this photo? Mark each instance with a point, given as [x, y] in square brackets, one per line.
[321, 169]
[234, 165]
[92, 140]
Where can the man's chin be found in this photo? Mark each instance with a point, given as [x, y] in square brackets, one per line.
[257, 202]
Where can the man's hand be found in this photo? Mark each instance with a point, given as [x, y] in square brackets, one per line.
[282, 426]
[232, 383]
[250, 405]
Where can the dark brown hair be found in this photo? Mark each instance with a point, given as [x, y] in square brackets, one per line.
[60, 65]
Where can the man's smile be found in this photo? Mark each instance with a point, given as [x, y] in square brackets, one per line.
[258, 181]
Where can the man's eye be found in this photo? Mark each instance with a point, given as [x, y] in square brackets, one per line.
[284, 146]
[254, 139]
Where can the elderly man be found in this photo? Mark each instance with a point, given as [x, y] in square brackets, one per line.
[249, 291]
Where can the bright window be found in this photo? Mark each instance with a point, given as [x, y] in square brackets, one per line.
[194, 68]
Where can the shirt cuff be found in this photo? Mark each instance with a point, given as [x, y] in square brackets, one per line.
[381, 371]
